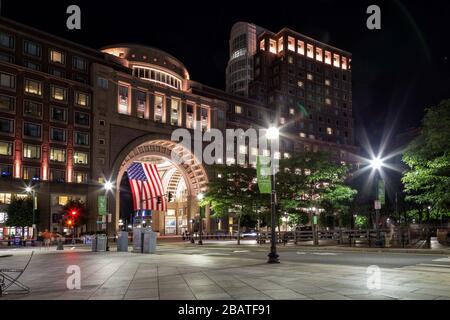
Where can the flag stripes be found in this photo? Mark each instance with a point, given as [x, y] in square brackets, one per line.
[146, 186]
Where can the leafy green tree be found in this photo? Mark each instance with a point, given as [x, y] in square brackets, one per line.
[310, 180]
[20, 213]
[361, 222]
[427, 179]
[233, 191]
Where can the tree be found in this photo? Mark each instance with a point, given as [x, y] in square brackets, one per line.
[427, 179]
[310, 180]
[233, 191]
[20, 213]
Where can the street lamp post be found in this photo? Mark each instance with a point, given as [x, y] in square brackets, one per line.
[273, 134]
[33, 195]
[108, 186]
[376, 164]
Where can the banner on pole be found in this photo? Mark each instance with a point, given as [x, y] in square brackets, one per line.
[381, 192]
[263, 174]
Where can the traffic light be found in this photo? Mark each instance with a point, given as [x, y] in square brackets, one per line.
[169, 197]
[69, 222]
[73, 212]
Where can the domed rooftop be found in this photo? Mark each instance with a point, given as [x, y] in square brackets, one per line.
[145, 56]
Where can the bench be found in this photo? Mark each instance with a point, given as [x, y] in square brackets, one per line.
[9, 277]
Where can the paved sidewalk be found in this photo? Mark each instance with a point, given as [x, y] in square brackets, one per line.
[115, 275]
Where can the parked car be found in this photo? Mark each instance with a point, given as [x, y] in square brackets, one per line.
[249, 234]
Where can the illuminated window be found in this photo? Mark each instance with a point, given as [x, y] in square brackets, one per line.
[327, 82]
[319, 56]
[300, 47]
[280, 44]
[157, 76]
[327, 101]
[282, 120]
[310, 51]
[309, 76]
[175, 112]
[327, 57]
[32, 109]
[190, 116]
[31, 151]
[7, 103]
[290, 59]
[33, 87]
[141, 101]
[124, 98]
[80, 177]
[57, 57]
[57, 155]
[336, 60]
[159, 108]
[80, 157]
[291, 44]
[5, 198]
[82, 99]
[238, 109]
[58, 93]
[329, 131]
[291, 111]
[262, 45]
[286, 155]
[272, 46]
[6, 148]
[300, 84]
[62, 200]
[344, 63]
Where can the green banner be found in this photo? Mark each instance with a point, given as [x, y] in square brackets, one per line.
[202, 212]
[101, 205]
[263, 174]
[381, 192]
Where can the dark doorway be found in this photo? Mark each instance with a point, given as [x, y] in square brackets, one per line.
[126, 200]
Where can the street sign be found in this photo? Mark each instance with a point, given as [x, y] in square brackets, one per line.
[377, 205]
[263, 174]
[101, 205]
[314, 219]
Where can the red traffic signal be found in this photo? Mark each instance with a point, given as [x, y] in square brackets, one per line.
[73, 212]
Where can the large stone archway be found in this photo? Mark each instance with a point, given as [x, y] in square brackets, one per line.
[189, 169]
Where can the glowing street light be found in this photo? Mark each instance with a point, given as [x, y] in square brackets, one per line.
[376, 163]
[200, 196]
[108, 185]
[28, 189]
[272, 133]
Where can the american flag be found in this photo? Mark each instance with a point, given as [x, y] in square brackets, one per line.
[146, 186]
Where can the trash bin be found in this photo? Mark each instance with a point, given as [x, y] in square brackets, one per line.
[122, 241]
[99, 243]
[144, 240]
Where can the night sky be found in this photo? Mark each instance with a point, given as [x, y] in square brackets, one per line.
[397, 71]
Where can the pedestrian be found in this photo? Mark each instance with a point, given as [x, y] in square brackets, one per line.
[285, 238]
[47, 238]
